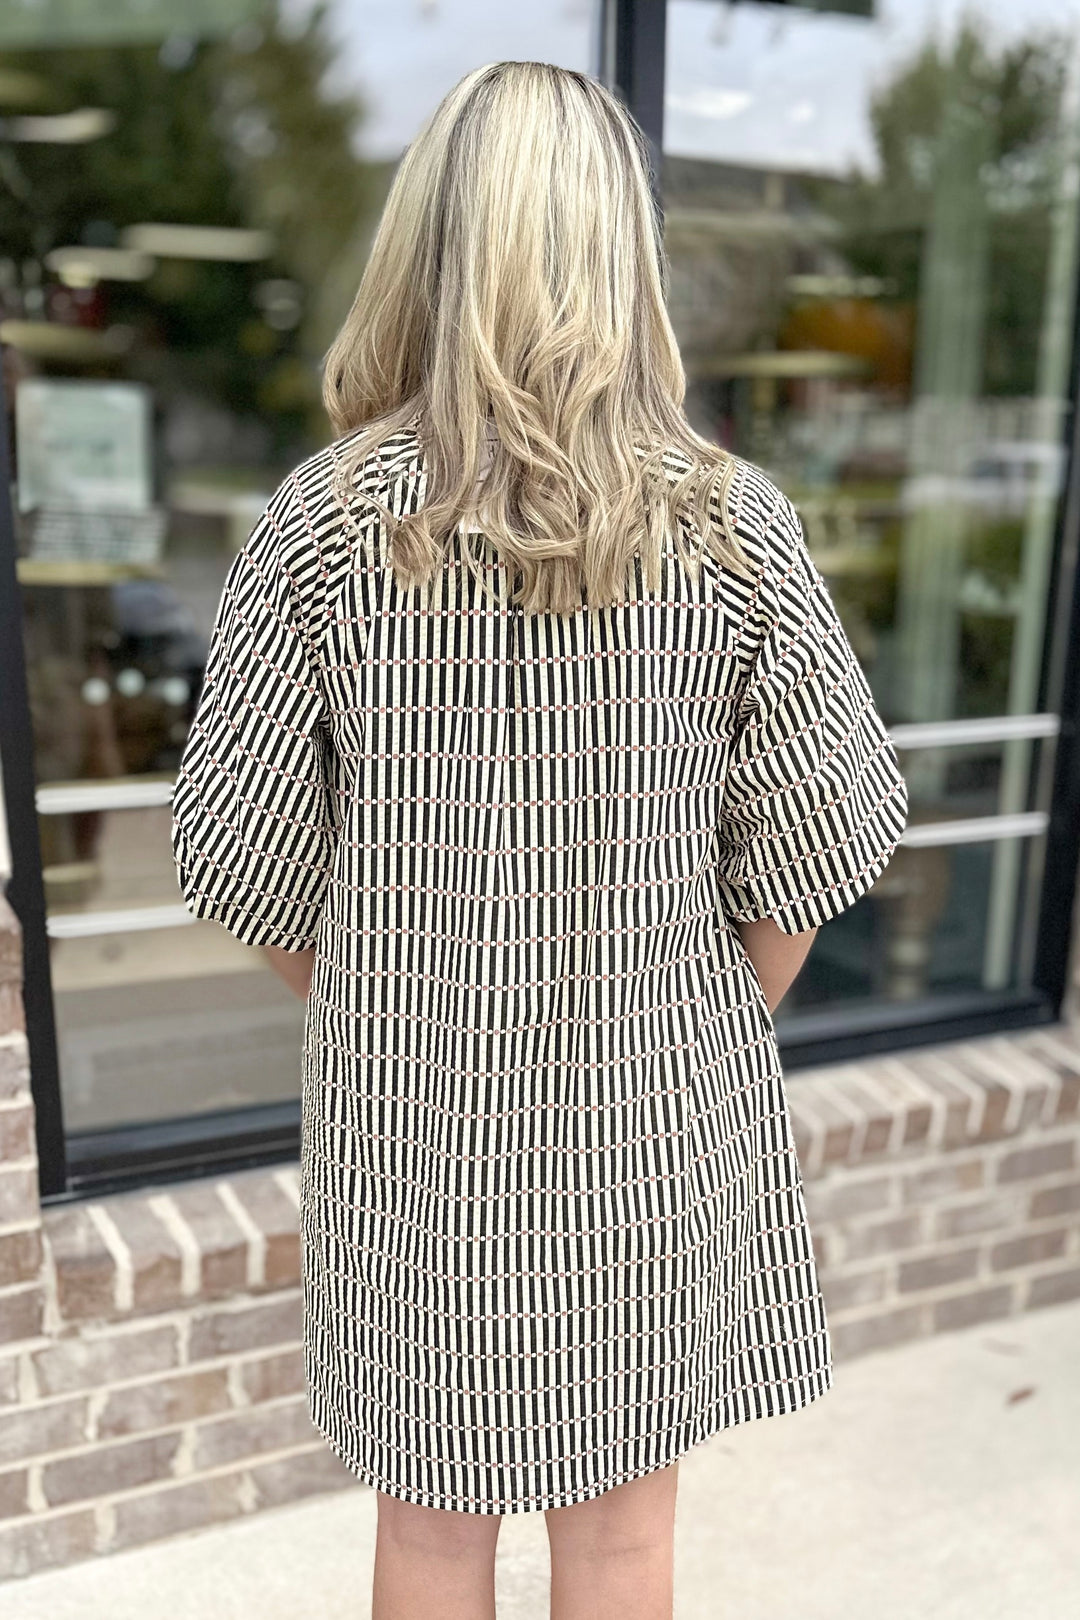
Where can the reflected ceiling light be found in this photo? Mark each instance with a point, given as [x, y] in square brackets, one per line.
[60, 129]
[94, 690]
[130, 682]
[282, 303]
[198, 242]
[81, 266]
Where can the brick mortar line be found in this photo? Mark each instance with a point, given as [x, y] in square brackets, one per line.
[181, 1317]
[191, 1252]
[252, 1231]
[41, 1459]
[239, 1399]
[36, 1500]
[978, 1095]
[239, 1467]
[836, 1224]
[238, 1358]
[895, 1175]
[928, 1097]
[183, 1462]
[123, 1263]
[1011, 1276]
[51, 1320]
[147, 1323]
[288, 1179]
[859, 1118]
[993, 1062]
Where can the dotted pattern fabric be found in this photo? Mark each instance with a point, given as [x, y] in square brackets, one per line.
[553, 1226]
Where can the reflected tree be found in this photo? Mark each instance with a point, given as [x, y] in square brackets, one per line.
[236, 131]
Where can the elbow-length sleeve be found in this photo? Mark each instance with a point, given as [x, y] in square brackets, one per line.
[814, 801]
[253, 828]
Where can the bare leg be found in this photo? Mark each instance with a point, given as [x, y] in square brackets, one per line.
[433, 1563]
[613, 1558]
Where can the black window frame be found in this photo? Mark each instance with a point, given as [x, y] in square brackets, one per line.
[632, 52]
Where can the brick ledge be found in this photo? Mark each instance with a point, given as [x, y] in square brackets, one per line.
[156, 1250]
[944, 1097]
[140, 1253]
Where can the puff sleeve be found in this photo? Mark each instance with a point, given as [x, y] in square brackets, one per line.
[253, 828]
[814, 802]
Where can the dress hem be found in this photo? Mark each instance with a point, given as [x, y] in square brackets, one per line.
[802, 1398]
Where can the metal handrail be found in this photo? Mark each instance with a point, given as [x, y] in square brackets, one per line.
[129, 920]
[957, 733]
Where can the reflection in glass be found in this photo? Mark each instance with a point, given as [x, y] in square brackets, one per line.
[923, 935]
[186, 202]
[872, 228]
[154, 1025]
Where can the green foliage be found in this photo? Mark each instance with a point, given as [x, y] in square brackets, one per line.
[239, 132]
[1016, 89]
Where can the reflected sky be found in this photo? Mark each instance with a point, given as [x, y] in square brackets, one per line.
[770, 88]
[404, 55]
[747, 83]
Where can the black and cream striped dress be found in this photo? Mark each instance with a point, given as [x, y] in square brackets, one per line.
[553, 1225]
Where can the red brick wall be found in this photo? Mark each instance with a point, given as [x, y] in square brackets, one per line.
[150, 1364]
[943, 1184]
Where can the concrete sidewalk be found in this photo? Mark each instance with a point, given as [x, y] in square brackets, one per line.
[940, 1481]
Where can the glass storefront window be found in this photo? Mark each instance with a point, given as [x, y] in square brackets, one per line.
[871, 222]
[871, 218]
[186, 197]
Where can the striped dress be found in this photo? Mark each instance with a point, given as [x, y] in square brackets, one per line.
[553, 1227]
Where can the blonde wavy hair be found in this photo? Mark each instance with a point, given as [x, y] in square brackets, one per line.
[512, 310]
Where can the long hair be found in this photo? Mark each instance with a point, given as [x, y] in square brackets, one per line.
[512, 310]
